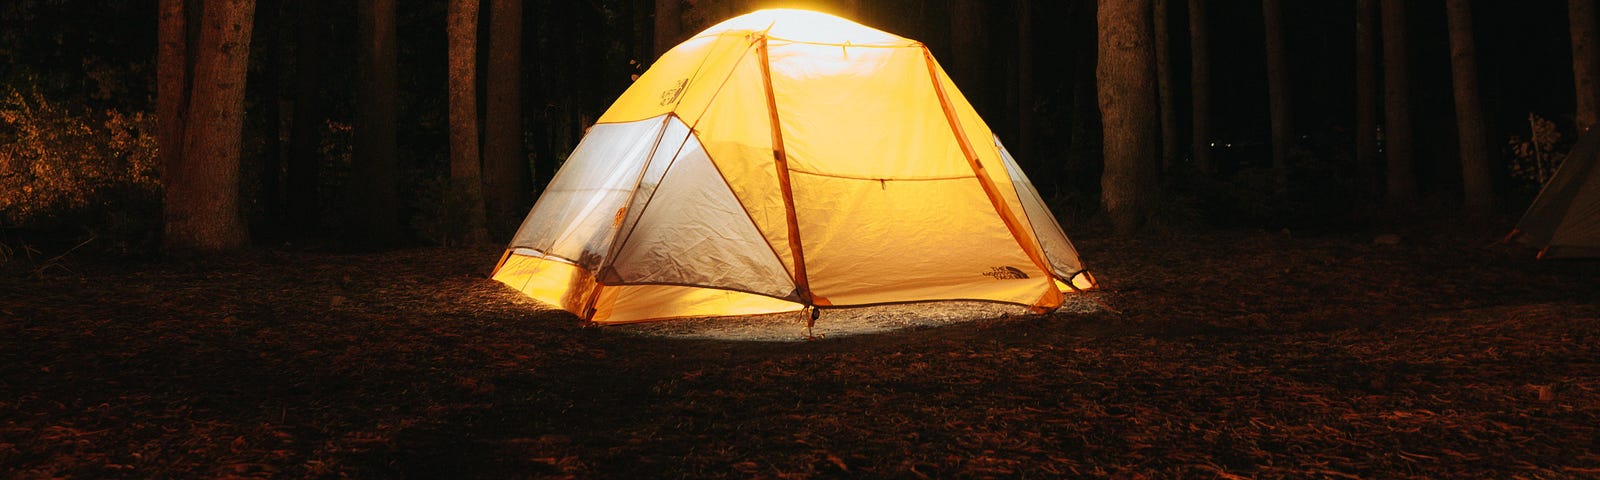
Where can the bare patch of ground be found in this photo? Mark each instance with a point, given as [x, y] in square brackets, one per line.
[832, 322]
[1229, 354]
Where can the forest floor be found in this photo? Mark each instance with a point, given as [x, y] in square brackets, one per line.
[1209, 355]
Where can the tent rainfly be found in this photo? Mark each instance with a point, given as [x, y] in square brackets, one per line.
[1564, 220]
[781, 160]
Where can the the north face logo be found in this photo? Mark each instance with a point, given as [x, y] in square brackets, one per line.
[1005, 273]
[671, 94]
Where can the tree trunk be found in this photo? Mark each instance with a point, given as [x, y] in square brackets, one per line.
[269, 163]
[1581, 21]
[1402, 177]
[1478, 186]
[969, 46]
[642, 49]
[849, 9]
[374, 189]
[1367, 95]
[1025, 100]
[505, 169]
[1126, 77]
[202, 197]
[1086, 144]
[172, 86]
[304, 161]
[466, 182]
[669, 19]
[1200, 87]
[1169, 112]
[1278, 92]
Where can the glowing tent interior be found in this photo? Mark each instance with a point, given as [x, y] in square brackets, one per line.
[785, 159]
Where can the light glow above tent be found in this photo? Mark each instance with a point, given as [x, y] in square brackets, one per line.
[807, 27]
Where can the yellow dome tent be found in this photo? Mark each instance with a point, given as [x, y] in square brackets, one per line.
[785, 159]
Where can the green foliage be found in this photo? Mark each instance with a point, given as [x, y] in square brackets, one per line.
[95, 52]
[1535, 159]
[67, 166]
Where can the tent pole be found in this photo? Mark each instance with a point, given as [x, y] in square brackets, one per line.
[501, 263]
[781, 160]
[1018, 231]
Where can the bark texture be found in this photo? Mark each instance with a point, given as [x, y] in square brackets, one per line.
[202, 193]
[1585, 63]
[1127, 98]
[669, 20]
[1278, 91]
[1477, 182]
[1367, 94]
[1402, 176]
[506, 173]
[1200, 87]
[466, 179]
[374, 216]
[172, 84]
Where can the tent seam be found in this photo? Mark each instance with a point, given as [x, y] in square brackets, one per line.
[616, 246]
[785, 186]
[989, 189]
[871, 179]
[694, 132]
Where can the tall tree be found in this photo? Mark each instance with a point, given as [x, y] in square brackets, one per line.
[302, 167]
[1025, 101]
[1478, 185]
[969, 45]
[1086, 146]
[642, 47]
[506, 172]
[1127, 91]
[1200, 87]
[1367, 93]
[202, 189]
[1169, 112]
[669, 20]
[1402, 176]
[1278, 91]
[375, 197]
[1585, 59]
[268, 52]
[466, 183]
[172, 84]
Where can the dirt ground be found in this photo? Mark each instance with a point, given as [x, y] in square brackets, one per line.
[1216, 355]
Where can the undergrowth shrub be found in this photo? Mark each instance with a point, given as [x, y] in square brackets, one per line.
[69, 169]
[1535, 158]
